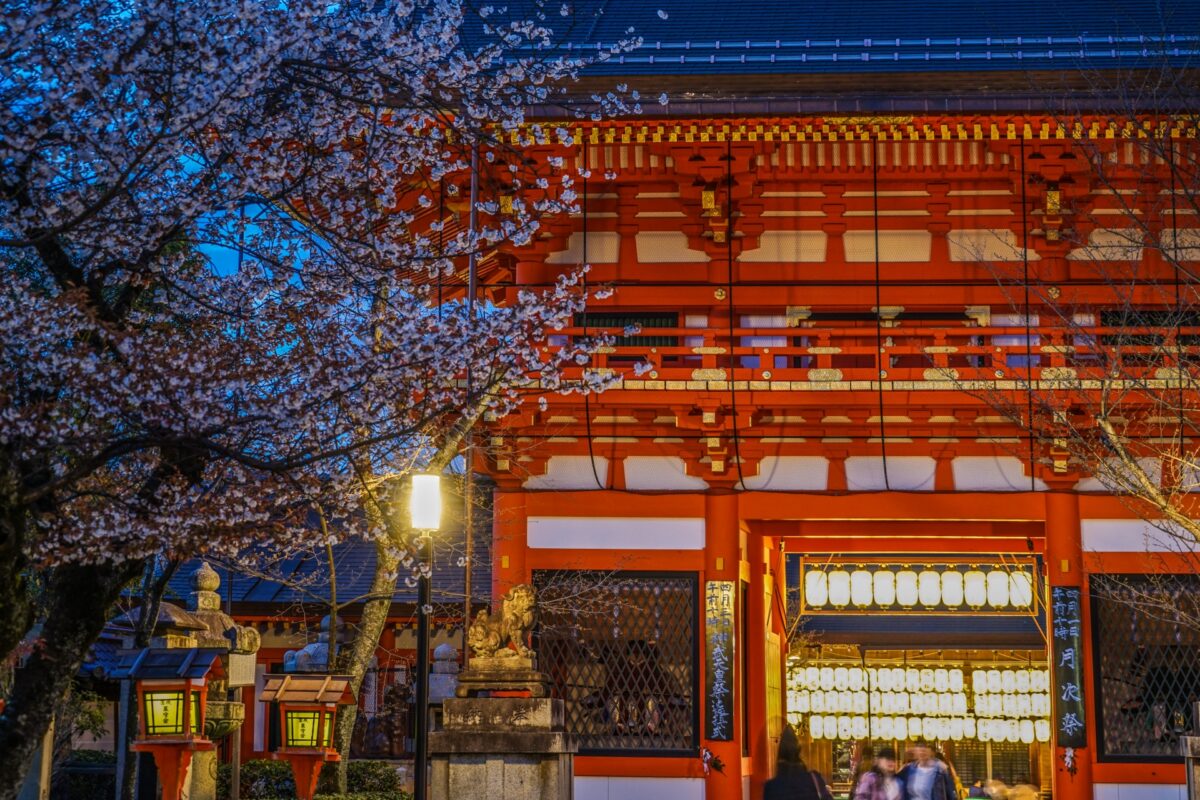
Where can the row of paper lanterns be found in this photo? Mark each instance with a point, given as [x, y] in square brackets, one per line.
[942, 704]
[906, 588]
[912, 679]
[830, 726]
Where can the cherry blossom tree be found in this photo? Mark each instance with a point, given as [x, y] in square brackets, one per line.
[221, 222]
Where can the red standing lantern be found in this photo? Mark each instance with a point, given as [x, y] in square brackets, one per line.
[172, 690]
[307, 713]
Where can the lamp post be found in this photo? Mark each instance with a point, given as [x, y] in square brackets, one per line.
[425, 505]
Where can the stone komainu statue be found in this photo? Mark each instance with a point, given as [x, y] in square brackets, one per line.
[490, 637]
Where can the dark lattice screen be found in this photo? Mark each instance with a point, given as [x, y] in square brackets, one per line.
[1147, 643]
[620, 650]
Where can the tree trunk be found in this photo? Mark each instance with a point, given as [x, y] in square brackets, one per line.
[78, 600]
[356, 656]
[16, 603]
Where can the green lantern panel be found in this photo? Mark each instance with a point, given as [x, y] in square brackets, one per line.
[163, 711]
[302, 728]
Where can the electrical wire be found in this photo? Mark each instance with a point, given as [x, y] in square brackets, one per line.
[587, 404]
[737, 448]
[887, 485]
[1028, 318]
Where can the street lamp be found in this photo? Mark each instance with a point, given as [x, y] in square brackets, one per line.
[425, 505]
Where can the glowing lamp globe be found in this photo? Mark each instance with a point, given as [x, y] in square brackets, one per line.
[426, 502]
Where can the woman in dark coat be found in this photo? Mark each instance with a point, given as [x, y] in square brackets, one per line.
[793, 779]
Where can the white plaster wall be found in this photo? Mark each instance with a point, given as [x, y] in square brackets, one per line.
[660, 473]
[787, 247]
[986, 244]
[571, 472]
[602, 248]
[665, 247]
[1139, 791]
[904, 473]
[894, 246]
[602, 788]
[1130, 536]
[791, 474]
[616, 533]
[992, 474]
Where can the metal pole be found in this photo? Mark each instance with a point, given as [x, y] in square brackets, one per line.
[421, 743]
[235, 694]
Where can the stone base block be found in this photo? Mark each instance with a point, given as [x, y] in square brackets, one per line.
[513, 748]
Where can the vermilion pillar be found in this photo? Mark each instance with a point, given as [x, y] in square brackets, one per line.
[722, 562]
[756, 644]
[1064, 567]
[509, 526]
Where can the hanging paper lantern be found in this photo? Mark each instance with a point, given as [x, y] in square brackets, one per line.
[884, 588]
[1020, 589]
[952, 588]
[1039, 680]
[900, 727]
[816, 588]
[884, 728]
[845, 728]
[979, 681]
[858, 702]
[816, 726]
[956, 729]
[960, 703]
[1041, 729]
[1024, 706]
[929, 588]
[975, 589]
[969, 727]
[994, 681]
[861, 588]
[997, 589]
[858, 728]
[941, 680]
[907, 594]
[812, 677]
[885, 680]
[926, 680]
[827, 678]
[912, 680]
[839, 588]
[914, 728]
[856, 678]
[1022, 678]
[841, 678]
[1008, 680]
[801, 703]
[956, 680]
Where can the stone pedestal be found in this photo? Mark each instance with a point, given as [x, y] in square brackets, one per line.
[514, 748]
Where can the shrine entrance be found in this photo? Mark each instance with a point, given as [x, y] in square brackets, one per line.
[886, 652]
[987, 711]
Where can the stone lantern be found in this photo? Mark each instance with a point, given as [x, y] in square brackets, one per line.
[239, 645]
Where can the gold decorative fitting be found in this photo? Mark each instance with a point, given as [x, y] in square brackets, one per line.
[720, 294]
[708, 199]
[506, 204]
[766, 374]
[1053, 201]
[1053, 292]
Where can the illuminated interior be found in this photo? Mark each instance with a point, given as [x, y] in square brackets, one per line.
[303, 728]
[163, 712]
[987, 711]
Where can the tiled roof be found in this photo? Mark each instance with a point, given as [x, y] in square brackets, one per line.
[715, 37]
[304, 578]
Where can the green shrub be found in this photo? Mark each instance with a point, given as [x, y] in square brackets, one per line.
[372, 777]
[262, 779]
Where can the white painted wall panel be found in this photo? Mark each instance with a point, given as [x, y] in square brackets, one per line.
[791, 474]
[904, 473]
[1139, 791]
[616, 533]
[660, 473]
[602, 788]
[571, 472]
[992, 474]
[1130, 536]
